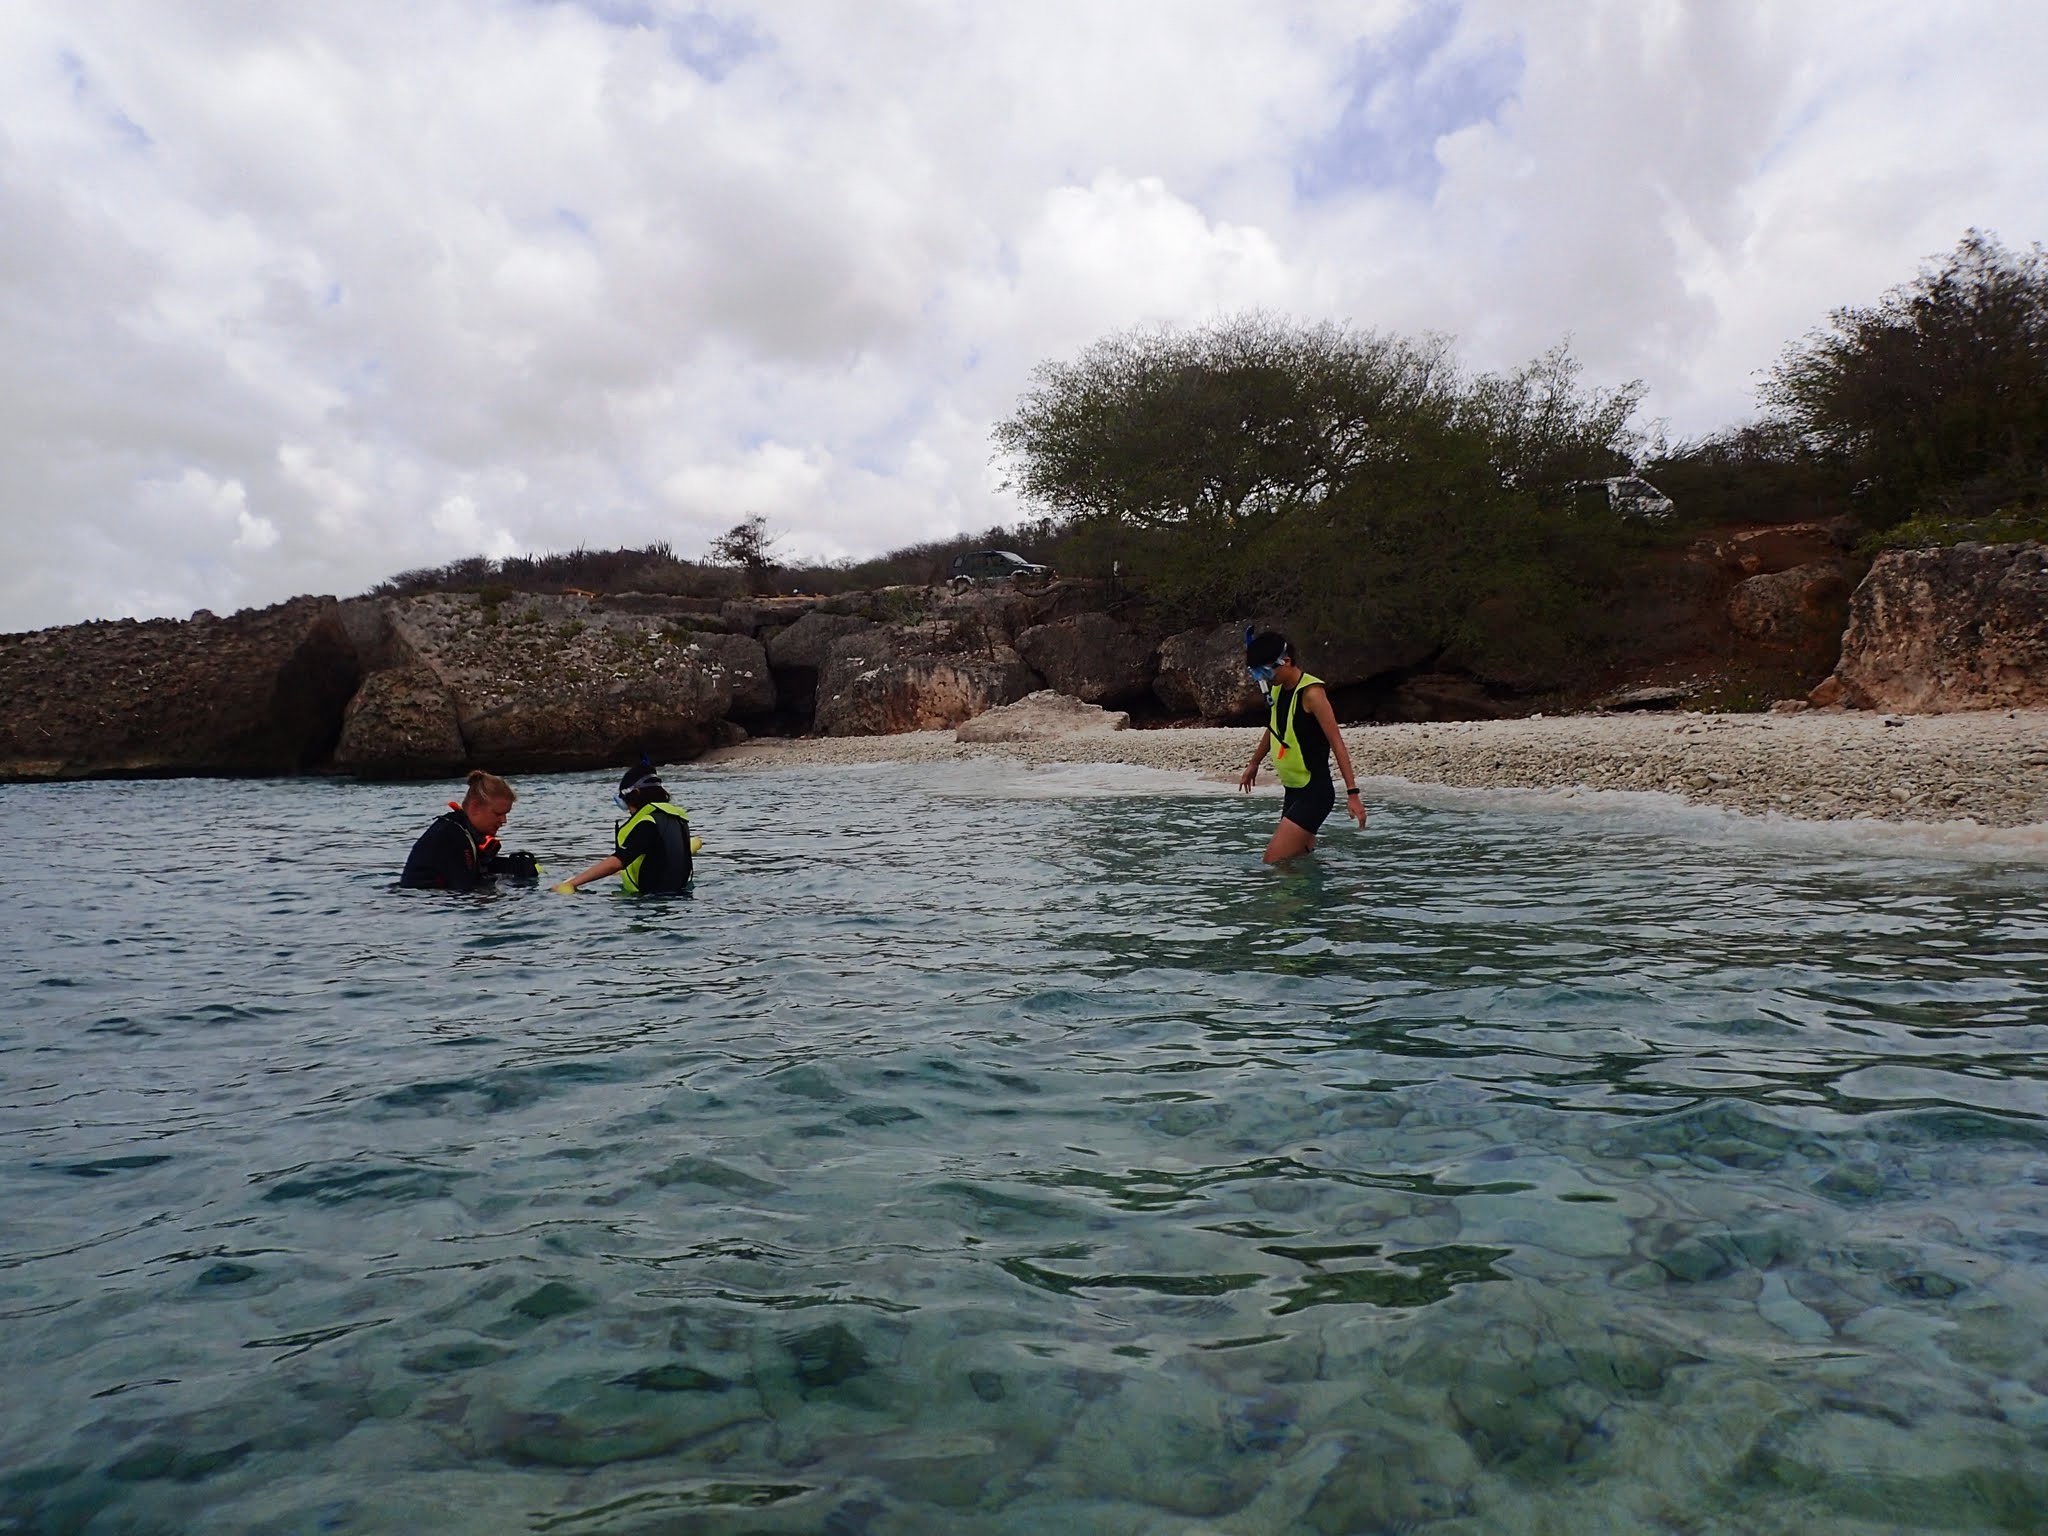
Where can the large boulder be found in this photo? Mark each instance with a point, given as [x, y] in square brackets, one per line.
[890, 679]
[808, 641]
[402, 723]
[1444, 696]
[798, 654]
[1375, 652]
[1090, 657]
[997, 613]
[1932, 630]
[1042, 716]
[1202, 672]
[261, 692]
[543, 682]
[1794, 607]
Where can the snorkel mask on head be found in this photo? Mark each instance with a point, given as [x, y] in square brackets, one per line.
[1263, 676]
[633, 783]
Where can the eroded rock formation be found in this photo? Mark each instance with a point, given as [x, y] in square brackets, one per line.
[1041, 716]
[430, 685]
[930, 677]
[1795, 607]
[402, 723]
[1931, 630]
[260, 692]
[1090, 657]
[550, 682]
[1201, 672]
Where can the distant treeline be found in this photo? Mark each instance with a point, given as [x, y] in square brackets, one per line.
[658, 568]
[1369, 486]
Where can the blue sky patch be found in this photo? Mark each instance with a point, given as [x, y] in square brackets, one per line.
[713, 46]
[86, 92]
[1407, 90]
[620, 13]
[702, 41]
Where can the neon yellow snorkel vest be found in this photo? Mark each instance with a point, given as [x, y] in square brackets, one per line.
[629, 877]
[1286, 746]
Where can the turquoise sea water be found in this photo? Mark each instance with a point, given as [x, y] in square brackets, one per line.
[992, 1150]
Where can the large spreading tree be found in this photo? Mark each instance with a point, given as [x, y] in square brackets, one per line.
[1220, 431]
[1356, 480]
[1937, 395]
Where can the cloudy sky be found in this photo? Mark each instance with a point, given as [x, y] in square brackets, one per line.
[297, 295]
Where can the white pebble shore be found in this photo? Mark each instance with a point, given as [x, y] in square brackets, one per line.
[1989, 767]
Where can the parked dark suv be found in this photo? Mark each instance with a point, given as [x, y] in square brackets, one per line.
[986, 565]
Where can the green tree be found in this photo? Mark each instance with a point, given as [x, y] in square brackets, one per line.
[1358, 482]
[1541, 427]
[1220, 431]
[749, 545]
[1937, 395]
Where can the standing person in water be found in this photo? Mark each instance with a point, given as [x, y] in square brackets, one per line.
[1301, 733]
[460, 851]
[654, 842]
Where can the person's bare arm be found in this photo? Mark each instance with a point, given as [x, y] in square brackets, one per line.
[1251, 769]
[610, 864]
[1319, 706]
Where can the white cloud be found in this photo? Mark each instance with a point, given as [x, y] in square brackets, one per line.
[294, 297]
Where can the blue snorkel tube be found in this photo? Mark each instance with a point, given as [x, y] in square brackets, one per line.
[1263, 676]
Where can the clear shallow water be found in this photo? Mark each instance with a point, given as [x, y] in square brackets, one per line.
[990, 1150]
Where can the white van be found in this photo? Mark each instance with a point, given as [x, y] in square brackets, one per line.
[1626, 496]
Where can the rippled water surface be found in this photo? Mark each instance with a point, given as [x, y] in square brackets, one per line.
[989, 1150]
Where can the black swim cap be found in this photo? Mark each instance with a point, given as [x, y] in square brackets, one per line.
[1265, 648]
[643, 776]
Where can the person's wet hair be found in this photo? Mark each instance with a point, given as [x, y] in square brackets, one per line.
[488, 788]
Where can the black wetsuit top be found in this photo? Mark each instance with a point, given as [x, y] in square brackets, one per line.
[663, 840]
[446, 857]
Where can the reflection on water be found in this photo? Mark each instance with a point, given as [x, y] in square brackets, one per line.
[984, 1149]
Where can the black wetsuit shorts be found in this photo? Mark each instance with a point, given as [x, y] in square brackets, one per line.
[1309, 806]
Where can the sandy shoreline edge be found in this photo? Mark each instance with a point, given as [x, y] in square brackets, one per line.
[1989, 767]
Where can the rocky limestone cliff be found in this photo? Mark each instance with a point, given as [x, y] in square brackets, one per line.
[431, 685]
[1932, 630]
[1736, 617]
[261, 692]
[882, 681]
[1091, 657]
[547, 682]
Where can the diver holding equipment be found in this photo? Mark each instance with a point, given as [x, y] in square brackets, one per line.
[654, 846]
[460, 851]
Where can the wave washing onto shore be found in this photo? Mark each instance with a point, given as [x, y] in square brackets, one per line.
[1989, 767]
[1635, 811]
[1656, 810]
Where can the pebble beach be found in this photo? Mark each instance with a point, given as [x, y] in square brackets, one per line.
[1989, 767]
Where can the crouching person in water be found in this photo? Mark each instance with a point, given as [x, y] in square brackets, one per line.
[1301, 733]
[460, 851]
[654, 841]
